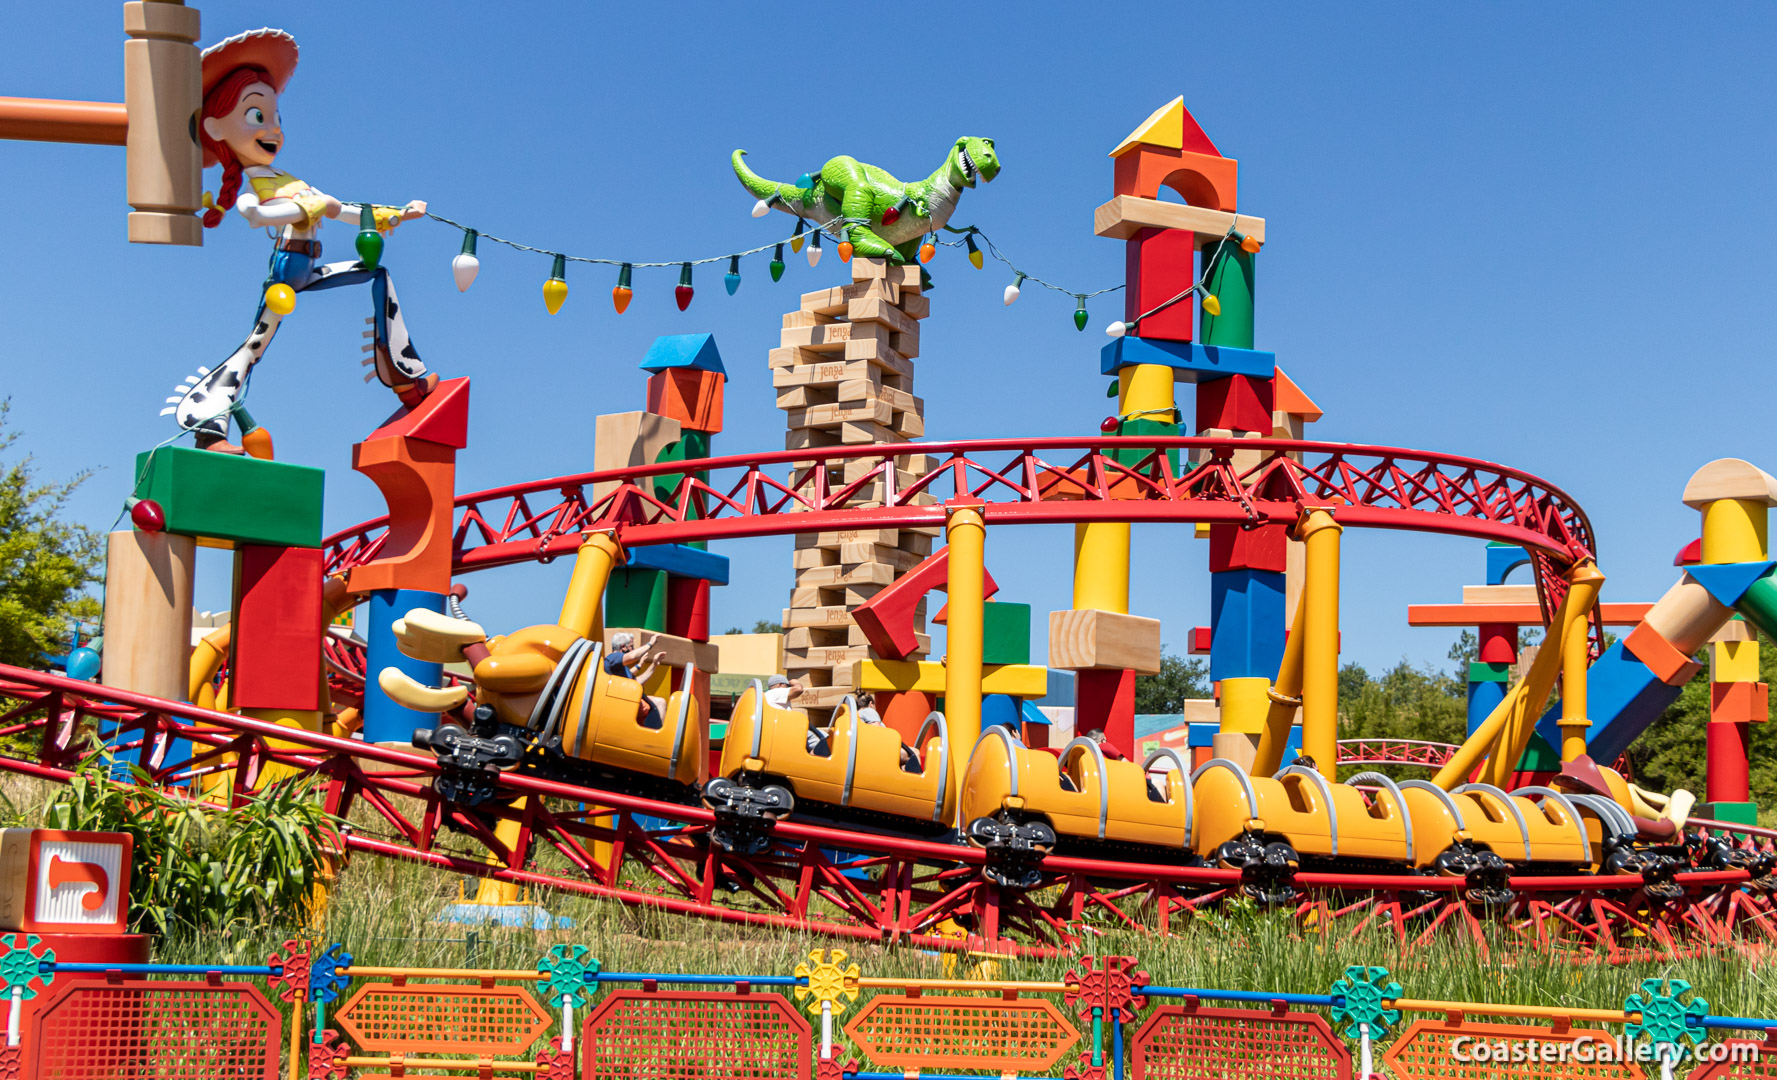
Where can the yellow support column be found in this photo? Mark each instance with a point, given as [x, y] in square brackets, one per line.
[1101, 566]
[1575, 657]
[1320, 641]
[598, 553]
[491, 891]
[966, 533]
[1286, 698]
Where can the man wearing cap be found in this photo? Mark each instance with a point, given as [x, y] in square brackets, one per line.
[624, 655]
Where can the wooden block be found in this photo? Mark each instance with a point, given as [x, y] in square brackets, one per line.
[1017, 680]
[783, 358]
[825, 697]
[826, 656]
[833, 538]
[878, 310]
[875, 554]
[1733, 661]
[916, 306]
[679, 650]
[1092, 640]
[838, 575]
[834, 301]
[806, 318]
[1730, 478]
[879, 352]
[749, 654]
[1125, 216]
[802, 397]
[1739, 703]
[833, 337]
[148, 584]
[864, 433]
[823, 617]
[1734, 630]
[831, 373]
[808, 637]
[275, 650]
[808, 557]
[809, 677]
[906, 344]
[875, 412]
[1241, 403]
[1499, 594]
[810, 438]
[242, 499]
[904, 275]
[622, 440]
[910, 424]
[1234, 548]
[1158, 265]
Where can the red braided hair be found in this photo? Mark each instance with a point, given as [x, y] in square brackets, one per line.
[219, 102]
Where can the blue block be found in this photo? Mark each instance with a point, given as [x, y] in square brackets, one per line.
[1061, 691]
[1623, 696]
[1483, 698]
[1502, 559]
[686, 351]
[385, 720]
[1728, 582]
[680, 560]
[1246, 623]
[1032, 714]
[1192, 362]
[1000, 709]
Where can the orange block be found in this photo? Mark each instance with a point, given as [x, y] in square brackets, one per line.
[418, 481]
[1673, 667]
[691, 396]
[905, 710]
[1200, 179]
[1739, 703]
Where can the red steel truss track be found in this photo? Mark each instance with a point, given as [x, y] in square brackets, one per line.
[1018, 481]
[836, 881]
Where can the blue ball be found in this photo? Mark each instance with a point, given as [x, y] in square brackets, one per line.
[83, 664]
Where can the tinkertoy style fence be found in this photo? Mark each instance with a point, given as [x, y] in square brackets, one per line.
[1103, 1021]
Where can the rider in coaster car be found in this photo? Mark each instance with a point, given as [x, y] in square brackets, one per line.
[625, 654]
[819, 739]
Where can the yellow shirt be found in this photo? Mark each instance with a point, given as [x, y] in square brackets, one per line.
[282, 185]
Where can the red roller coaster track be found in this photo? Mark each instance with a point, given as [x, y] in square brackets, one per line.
[863, 884]
[1017, 481]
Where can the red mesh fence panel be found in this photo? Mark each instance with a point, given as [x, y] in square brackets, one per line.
[93, 1030]
[1179, 1042]
[1741, 1059]
[426, 1019]
[944, 1034]
[1437, 1049]
[635, 1035]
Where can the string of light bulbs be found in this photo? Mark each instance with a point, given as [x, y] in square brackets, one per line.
[467, 264]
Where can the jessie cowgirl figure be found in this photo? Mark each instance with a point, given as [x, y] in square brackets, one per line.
[240, 130]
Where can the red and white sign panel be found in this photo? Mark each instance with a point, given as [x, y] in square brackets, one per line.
[64, 882]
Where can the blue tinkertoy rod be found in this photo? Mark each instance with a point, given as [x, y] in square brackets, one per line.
[61, 967]
[1260, 996]
[1729, 1023]
[696, 980]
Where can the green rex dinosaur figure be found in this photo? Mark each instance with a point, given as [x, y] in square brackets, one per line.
[898, 213]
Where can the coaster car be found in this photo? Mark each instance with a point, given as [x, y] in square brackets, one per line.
[770, 764]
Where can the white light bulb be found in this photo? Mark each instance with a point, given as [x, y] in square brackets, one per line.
[1011, 294]
[464, 268]
[1117, 329]
[814, 255]
[761, 208]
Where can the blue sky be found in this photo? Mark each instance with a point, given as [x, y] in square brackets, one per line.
[1536, 234]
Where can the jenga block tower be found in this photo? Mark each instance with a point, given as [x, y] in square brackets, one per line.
[844, 377]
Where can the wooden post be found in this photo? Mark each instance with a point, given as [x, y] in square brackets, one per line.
[148, 612]
[162, 90]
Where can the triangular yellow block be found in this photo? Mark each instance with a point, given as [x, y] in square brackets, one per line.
[1166, 127]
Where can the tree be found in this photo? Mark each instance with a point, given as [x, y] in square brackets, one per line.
[45, 562]
[1179, 678]
[761, 626]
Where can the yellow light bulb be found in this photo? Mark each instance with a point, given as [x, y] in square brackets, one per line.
[555, 291]
[281, 298]
[1211, 305]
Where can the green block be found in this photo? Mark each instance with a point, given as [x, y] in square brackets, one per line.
[1480, 671]
[1005, 633]
[690, 446]
[230, 497]
[1138, 427]
[1539, 756]
[637, 598]
[1739, 813]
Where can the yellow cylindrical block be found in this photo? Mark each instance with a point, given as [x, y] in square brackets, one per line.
[1145, 389]
[1320, 641]
[1245, 701]
[592, 572]
[966, 533]
[162, 87]
[1734, 530]
[1101, 566]
[1280, 716]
